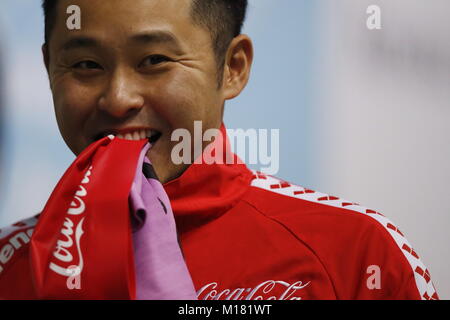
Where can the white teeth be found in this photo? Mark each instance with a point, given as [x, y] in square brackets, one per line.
[137, 135]
[128, 136]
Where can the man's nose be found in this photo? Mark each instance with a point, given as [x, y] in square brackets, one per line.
[121, 97]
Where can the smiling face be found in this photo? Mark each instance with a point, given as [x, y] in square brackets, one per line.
[144, 65]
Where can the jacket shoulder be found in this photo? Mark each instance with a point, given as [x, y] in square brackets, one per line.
[286, 198]
[14, 239]
[348, 237]
[20, 226]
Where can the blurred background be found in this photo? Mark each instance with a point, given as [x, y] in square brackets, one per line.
[363, 114]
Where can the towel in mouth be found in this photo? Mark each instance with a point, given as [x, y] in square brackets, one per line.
[83, 245]
[161, 272]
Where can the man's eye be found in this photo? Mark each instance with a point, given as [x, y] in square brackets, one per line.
[84, 65]
[154, 60]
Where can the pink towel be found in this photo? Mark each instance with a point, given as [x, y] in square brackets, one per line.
[161, 272]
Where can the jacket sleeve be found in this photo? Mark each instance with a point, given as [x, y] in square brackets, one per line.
[15, 272]
[391, 269]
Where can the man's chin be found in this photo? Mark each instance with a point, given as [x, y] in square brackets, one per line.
[164, 168]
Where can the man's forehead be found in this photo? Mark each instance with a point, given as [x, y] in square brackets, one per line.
[127, 13]
[144, 20]
[114, 5]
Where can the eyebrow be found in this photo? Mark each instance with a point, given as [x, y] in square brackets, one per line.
[152, 37]
[157, 37]
[80, 42]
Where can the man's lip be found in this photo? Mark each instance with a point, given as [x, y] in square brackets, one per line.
[127, 130]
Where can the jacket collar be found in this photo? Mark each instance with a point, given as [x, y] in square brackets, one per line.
[206, 191]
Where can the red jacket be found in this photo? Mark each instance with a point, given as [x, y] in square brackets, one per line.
[246, 235]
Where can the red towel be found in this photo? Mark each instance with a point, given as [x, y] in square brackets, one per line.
[84, 231]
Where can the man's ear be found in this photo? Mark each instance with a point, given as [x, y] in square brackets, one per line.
[238, 64]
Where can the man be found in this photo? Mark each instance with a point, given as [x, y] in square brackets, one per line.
[149, 67]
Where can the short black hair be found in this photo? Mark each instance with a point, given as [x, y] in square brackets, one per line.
[223, 18]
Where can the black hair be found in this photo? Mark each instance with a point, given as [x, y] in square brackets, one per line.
[223, 18]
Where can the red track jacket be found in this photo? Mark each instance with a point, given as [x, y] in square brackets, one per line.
[246, 235]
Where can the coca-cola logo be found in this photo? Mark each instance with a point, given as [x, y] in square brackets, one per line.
[263, 291]
[64, 253]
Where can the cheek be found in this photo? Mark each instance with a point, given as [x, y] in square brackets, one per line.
[186, 97]
[72, 108]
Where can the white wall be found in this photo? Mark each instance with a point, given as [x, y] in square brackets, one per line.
[385, 115]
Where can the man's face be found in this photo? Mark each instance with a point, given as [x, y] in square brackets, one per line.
[139, 64]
